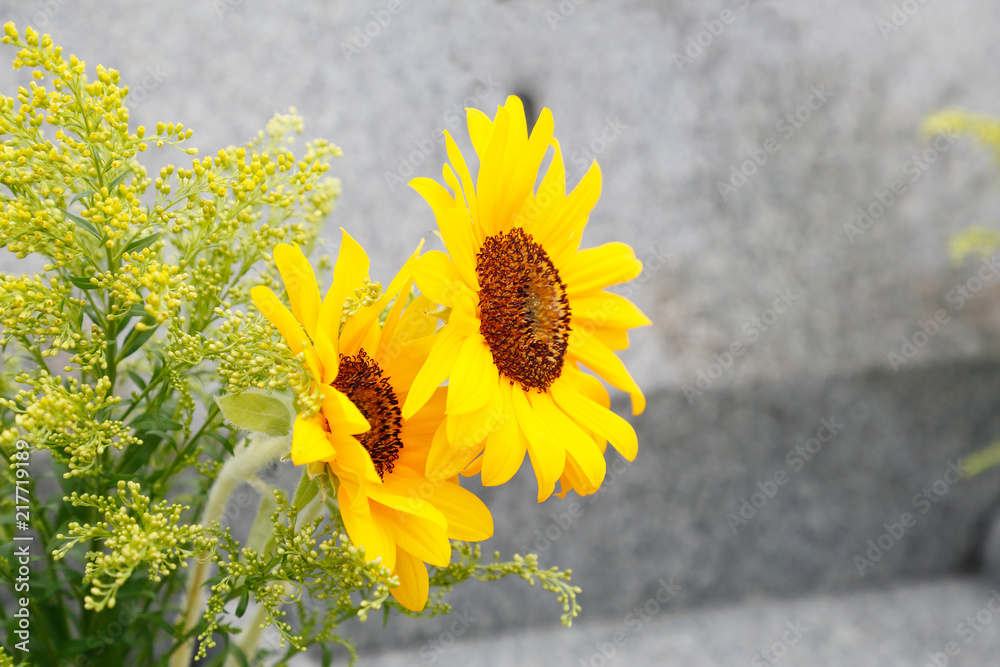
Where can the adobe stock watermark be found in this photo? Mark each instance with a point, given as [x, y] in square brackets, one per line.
[425, 147]
[796, 460]
[899, 16]
[922, 502]
[153, 76]
[968, 629]
[584, 155]
[711, 29]
[751, 330]
[45, 12]
[363, 36]
[635, 620]
[432, 650]
[957, 297]
[564, 10]
[786, 126]
[778, 649]
[20, 560]
[562, 522]
[223, 7]
[913, 169]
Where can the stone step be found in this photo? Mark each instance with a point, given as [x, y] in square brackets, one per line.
[946, 622]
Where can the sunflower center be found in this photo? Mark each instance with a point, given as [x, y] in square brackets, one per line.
[524, 311]
[360, 379]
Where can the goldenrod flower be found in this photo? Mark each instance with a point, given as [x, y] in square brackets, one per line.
[527, 308]
[364, 370]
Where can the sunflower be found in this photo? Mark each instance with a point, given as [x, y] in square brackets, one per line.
[528, 308]
[364, 370]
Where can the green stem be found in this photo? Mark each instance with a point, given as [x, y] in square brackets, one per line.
[260, 450]
[255, 624]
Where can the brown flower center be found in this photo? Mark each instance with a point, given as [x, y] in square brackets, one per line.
[524, 312]
[360, 379]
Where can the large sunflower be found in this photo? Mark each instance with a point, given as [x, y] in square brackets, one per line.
[527, 309]
[364, 370]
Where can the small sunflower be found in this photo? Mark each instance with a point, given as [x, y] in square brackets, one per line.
[364, 369]
[527, 309]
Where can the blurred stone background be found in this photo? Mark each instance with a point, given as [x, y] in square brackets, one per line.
[825, 99]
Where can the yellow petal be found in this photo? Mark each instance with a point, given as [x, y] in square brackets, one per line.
[468, 517]
[364, 528]
[300, 283]
[423, 539]
[413, 581]
[491, 187]
[341, 413]
[505, 447]
[445, 457]
[562, 230]
[437, 277]
[433, 193]
[580, 447]
[597, 268]
[270, 306]
[434, 371]
[463, 242]
[526, 174]
[348, 274]
[309, 442]
[474, 379]
[480, 129]
[607, 310]
[548, 455]
[353, 460]
[407, 496]
[462, 170]
[598, 358]
[596, 418]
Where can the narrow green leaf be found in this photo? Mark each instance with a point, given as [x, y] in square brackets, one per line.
[306, 491]
[80, 196]
[139, 382]
[135, 339]
[241, 608]
[118, 180]
[262, 531]
[153, 421]
[87, 226]
[144, 242]
[82, 283]
[255, 411]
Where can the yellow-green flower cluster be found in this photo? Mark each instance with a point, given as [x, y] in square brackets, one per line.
[983, 128]
[61, 415]
[39, 309]
[134, 532]
[251, 356]
[142, 278]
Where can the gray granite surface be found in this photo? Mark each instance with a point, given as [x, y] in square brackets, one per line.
[949, 622]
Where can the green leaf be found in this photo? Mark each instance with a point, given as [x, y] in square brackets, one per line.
[139, 382]
[262, 530]
[82, 283]
[256, 411]
[135, 339]
[78, 197]
[241, 608]
[306, 491]
[87, 226]
[154, 421]
[144, 242]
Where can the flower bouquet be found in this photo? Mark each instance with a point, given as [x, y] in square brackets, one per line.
[176, 340]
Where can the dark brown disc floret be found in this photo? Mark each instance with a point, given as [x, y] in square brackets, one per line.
[524, 311]
[360, 379]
